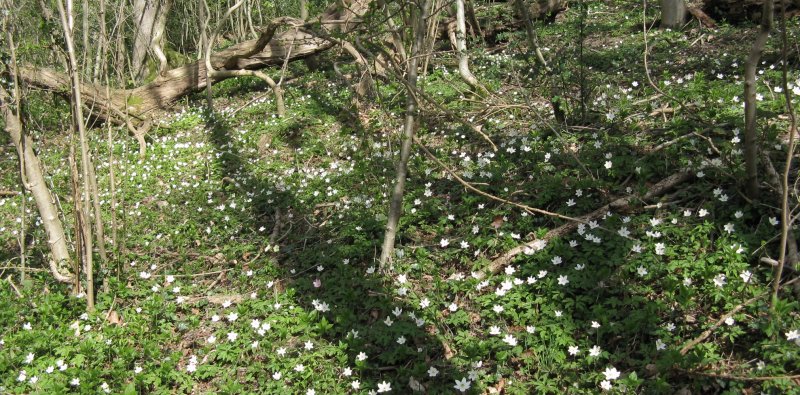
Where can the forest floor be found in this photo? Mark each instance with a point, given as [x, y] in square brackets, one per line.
[245, 256]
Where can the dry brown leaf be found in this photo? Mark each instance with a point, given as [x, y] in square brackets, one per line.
[114, 318]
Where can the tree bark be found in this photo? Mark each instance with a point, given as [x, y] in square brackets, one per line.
[33, 179]
[673, 14]
[78, 122]
[461, 48]
[150, 17]
[751, 140]
[396, 203]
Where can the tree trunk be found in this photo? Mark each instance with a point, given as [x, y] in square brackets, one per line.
[530, 31]
[751, 140]
[303, 9]
[35, 183]
[396, 203]
[150, 17]
[673, 14]
[461, 48]
[78, 122]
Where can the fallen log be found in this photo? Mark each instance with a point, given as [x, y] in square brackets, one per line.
[293, 43]
[656, 190]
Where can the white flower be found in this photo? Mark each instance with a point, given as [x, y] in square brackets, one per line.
[299, 367]
[660, 345]
[355, 384]
[719, 280]
[361, 356]
[605, 385]
[384, 387]
[29, 358]
[510, 340]
[793, 335]
[424, 303]
[746, 276]
[462, 385]
[594, 351]
[530, 329]
[660, 248]
[444, 242]
[494, 330]
[573, 350]
[729, 321]
[641, 271]
[729, 228]
[311, 392]
[75, 382]
[232, 336]
[607, 165]
[232, 317]
[773, 221]
[611, 373]
[432, 371]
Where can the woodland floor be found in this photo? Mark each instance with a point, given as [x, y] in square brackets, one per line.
[247, 243]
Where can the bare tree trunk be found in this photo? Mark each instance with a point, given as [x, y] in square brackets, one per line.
[34, 181]
[150, 19]
[530, 31]
[32, 174]
[751, 140]
[461, 48]
[396, 203]
[303, 9]
[78, 122]
[673, 14]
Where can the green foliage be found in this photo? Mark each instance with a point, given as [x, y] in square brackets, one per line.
[247, 243]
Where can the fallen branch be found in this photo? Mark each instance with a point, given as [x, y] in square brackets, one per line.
[721, 320]
[702, 17]
[738, 378]
[656, 190]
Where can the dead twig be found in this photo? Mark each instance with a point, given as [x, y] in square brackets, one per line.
[703, 336]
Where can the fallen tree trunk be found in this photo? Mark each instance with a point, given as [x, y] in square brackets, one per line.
[656, 190]
[295, 43]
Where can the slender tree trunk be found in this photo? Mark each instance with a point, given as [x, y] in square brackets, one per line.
[673, 14]
[32, 174]
[78, 122]
[35, 183]
[396, 202]
[303, 9]
[751, 140]
[530, 31]
[461, 48]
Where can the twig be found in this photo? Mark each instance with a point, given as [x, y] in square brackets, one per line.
[721, 320]
[493, 197]
[14, 287]
[656, 190]
[738, 378]
[198, 274]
